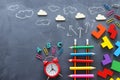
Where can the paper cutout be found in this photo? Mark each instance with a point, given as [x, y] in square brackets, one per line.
[42, 13]
[80, 16]
[60, 18]
[100, 17]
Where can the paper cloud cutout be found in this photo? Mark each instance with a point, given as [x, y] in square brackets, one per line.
[60, 18]
[80, 16]
[100, 17]
[42, 13]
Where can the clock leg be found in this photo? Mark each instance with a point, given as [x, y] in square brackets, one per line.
[61, 75]
[48, 78]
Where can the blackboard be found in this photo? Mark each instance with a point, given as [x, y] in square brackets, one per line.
[21, 32]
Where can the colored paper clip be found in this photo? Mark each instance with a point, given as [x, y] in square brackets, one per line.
[117, 24]
[81, 60]
[107, 7]
[110, 20]
[83, 68]
[53, 50]
[38, 56]
[117, 16]
[116, 6]
[81, 47]
[109, 13]
[60, 51]
[81, 76]
[45, 51]
[82, 54]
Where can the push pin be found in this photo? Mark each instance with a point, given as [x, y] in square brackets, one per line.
[39, 50]
[59, 44]
[48, 46]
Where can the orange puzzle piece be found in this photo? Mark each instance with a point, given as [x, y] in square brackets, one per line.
[98, 34]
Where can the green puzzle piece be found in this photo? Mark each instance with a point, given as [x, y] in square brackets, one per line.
[115, 66]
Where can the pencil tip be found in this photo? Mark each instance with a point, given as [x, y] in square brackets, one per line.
[70, 60]
[70, 47]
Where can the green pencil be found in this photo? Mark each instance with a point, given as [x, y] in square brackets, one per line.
[81, 47]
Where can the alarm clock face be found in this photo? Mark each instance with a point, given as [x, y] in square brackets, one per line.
[52, 70]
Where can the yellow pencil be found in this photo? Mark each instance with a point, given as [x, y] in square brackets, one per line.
[82, 68]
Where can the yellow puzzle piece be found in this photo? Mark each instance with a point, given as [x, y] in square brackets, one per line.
[106, 43]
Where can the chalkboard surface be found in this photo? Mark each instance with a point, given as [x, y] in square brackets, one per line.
[22, 31]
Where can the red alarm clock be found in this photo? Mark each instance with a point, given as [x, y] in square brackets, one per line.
[51, 68]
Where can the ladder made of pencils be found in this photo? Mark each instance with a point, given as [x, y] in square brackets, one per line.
[81, 58]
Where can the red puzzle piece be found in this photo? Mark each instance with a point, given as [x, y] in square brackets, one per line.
[106, 72]
[112, 30]
[98, 34]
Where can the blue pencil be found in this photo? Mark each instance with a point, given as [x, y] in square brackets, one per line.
[82, 54]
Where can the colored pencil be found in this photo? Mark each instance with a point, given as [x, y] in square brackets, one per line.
[82, 68]
[82, 54]
[81, 47]
[81, 60]
[81, 76]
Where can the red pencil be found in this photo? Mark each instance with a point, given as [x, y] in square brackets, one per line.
[81, 60]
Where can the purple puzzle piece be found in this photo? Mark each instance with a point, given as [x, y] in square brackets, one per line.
[107, 59]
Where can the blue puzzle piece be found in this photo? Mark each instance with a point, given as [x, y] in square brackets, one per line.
[117, 52]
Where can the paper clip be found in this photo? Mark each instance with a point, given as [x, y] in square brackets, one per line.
[38, 56]
[60, 51]
[45, 51]
[110, 20]
[109, 13]
[107, 7]
[53, 50]
[117, 16]
[117, 24]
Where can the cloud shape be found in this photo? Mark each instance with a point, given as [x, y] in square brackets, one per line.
[80, 16]
[60, 18]
[23, 14]
[100, 17]
[13, 7]
[53, 8]
[43, 22]
[42, 13]
[95, 10]
[69, 10]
